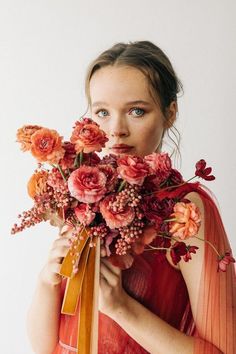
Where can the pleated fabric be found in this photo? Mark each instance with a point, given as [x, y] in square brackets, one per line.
[161, 288]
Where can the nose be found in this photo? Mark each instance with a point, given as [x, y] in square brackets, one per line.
[119, 127]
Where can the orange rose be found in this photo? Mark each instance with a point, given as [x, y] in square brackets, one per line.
[47, 146]
[187, 222]
[24, 134]
[37, 184]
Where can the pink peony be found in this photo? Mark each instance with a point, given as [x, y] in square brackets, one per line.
[132, 169]
[115, 219]
[88, 137]
[84, 214]
[87, 184]
[188, 220]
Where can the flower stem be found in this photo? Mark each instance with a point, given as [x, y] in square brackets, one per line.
[62, 173]
[167, 220]
[80, 158]
[210, 245]
[121, 186]
[170, 187]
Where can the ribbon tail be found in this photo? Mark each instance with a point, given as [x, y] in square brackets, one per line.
[88, 319]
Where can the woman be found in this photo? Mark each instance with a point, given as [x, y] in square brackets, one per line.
[155, 306]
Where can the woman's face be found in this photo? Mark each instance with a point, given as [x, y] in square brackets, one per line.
[115, 94]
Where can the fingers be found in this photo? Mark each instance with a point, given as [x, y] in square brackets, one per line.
[111, 278]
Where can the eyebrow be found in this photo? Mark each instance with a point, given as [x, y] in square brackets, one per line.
[100, 103]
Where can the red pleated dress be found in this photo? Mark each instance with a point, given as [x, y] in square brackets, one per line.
[161, 288]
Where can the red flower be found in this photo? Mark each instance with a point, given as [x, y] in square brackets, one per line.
[190, 249]
[132, 169]
[225, 260]
[177, 250]
[156, 210]
[84, 214]
[68, 159]
[203, 171]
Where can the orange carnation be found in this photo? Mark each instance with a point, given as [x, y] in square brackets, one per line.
[187, 222]
[47, 146]
[24, 134]
[37, 184]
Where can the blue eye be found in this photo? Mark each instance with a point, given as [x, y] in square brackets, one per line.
[139, 110]
[101, 110]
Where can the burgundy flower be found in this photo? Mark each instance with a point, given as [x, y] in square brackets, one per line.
[225, 260]
[190, 249]
[156, 210]
[175, 177]
[68, 159]
[111, 175]
[110, 159]
[203, 171]
[177, 250]
[91, 159]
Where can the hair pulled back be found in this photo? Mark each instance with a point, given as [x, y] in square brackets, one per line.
[164, 85]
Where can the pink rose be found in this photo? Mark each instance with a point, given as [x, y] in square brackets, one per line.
[160, 165]
[84, 214]
[115, 219]
[132, 169]
[87, 184]
[88, 137]
[187, 221]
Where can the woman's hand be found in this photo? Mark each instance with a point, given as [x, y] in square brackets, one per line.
[112, 296]
[50, 272]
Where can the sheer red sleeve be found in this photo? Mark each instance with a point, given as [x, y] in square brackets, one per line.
[216, 311]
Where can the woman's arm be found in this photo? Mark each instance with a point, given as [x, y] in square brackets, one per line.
[43, 317]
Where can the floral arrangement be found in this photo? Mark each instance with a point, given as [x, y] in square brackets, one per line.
[132, 204]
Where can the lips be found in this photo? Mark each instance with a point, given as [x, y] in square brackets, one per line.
[121, 148]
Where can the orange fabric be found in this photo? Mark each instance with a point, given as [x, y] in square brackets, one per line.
[158, 286]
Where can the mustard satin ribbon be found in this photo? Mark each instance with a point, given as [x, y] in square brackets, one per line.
[84, 285]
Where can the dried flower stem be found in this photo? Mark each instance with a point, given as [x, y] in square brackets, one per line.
[210, 245]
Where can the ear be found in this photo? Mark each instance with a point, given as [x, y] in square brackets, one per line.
[171, 113]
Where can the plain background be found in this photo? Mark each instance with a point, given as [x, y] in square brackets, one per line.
[46, 47]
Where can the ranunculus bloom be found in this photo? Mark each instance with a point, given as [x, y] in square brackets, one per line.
[24, 134]
[69, 157]
[160, 164]
[111, 175]
[88, 137]
[84, 214]
[188, 220]
[47, 146]
[37, 184]
[156, 210]
[224, 261]
[115, 219]
[91, 159]
[87, 184]
[203, 171]
[132, 169]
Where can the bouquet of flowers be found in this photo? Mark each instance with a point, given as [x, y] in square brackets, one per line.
[126, 203]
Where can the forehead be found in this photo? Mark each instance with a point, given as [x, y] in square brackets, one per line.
[124, 83]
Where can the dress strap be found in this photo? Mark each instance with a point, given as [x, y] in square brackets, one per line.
[66, 346]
